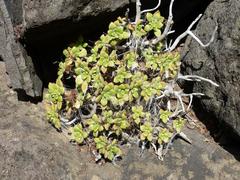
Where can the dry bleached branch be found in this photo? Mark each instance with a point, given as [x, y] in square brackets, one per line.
[138, 11]
[196, 78]
[169, 92]
[189, 32]
[153, 9]
[168, 31]
[169, 24]
[168, 27]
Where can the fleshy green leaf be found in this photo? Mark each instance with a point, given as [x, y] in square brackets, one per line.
[78, 134]
[164, 115]
[104, 102]
[84, 87]
[164, 136]
[178, 124]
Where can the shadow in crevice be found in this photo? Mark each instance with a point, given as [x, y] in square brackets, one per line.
[46, 43]
[22, 96]
[222, 133]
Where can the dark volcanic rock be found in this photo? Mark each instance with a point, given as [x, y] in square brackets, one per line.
[31, 149]
[219, 62]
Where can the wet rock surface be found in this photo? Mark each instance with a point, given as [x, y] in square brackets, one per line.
[219, 62]
[31, 149]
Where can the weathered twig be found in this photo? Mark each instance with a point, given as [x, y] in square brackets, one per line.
[178, 95]
[184, 34]
[171, 93]
[169, 24]
[158, 151]
[138, 11]
[66, 121]
[153, 9]
[196, 78]
[96, 155]
[143, 147]
[169, 105]
[189, 32]
[200, 42]
[191, 98]
[72, 121]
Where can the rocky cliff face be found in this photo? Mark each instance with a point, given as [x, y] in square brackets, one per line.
[219, 62]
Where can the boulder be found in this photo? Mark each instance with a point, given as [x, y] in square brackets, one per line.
[219, 62]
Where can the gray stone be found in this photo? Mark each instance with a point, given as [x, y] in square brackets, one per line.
[219, 62]
[19, 65]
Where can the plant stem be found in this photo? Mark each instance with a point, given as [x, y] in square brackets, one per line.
[138, 11]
